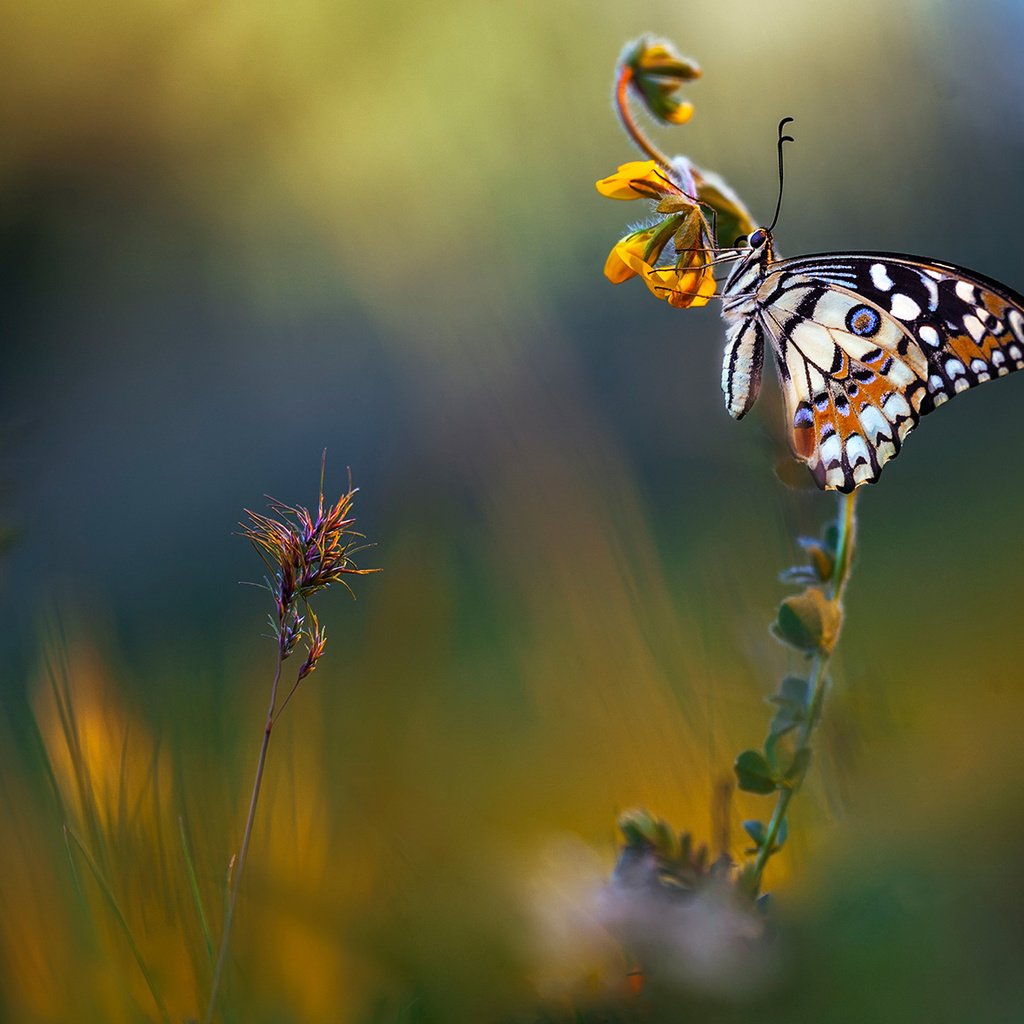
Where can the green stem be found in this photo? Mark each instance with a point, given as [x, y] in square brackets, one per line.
[818, 684]
[229, 914]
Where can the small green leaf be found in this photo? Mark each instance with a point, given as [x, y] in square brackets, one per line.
[754, 774]
[822, 559]
[756, 830]
[808, 621]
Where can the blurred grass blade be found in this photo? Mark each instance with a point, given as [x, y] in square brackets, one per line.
[193, 882]
[112, 900]
[58, 674]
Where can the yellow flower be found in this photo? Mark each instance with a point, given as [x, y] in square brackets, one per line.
[626, 259]
[657, 72]
[682, 286]
[639, 179]
[690, 281]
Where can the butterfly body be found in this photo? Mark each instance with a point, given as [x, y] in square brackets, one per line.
[865, 344]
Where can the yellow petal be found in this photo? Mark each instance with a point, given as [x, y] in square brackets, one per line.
[626, 259]
[682, 290]
[616, 269]
[680, 114]
[639, 179]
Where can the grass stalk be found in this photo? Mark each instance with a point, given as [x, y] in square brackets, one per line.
[236, 882]
[108, 893]
[193, 883]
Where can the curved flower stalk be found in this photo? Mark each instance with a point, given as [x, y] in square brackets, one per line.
[694, 209]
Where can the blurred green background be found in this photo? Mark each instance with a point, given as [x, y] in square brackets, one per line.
[234, 234]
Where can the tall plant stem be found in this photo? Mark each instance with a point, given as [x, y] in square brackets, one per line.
[817, 683]
[236, 882]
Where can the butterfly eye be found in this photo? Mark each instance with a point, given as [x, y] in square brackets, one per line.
[757, 238]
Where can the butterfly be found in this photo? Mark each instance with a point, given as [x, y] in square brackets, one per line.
[865, 344]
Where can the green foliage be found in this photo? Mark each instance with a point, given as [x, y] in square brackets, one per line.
[754, 774]
[808, 621]
[758, 832]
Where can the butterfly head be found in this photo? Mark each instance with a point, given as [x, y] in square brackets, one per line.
[759, 240]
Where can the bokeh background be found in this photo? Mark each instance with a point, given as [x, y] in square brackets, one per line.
[235, 234]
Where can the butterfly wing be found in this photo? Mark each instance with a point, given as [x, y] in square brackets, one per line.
[867, 343]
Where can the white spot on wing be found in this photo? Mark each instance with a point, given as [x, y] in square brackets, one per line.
[856, 449]
[899, 374]
[880, 277]
[965, 291]
[884, 452]
[873, 422]
[834, 477]
[895, 406]
[903, 307]
[933, 291]
[929, 335]
[974, 326]
[1016, 323]
[862, 472]
[831, 449]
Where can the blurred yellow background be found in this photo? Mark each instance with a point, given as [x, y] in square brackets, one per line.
[234, 234]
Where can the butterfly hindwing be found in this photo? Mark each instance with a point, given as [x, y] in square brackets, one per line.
[867, 343]
[741, 368]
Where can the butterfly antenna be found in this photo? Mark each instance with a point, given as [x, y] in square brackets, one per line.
[782, 139]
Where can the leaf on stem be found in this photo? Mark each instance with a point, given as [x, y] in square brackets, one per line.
[754, 774]
[808, 621]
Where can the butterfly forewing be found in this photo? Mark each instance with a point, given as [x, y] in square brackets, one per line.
[867, 343]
